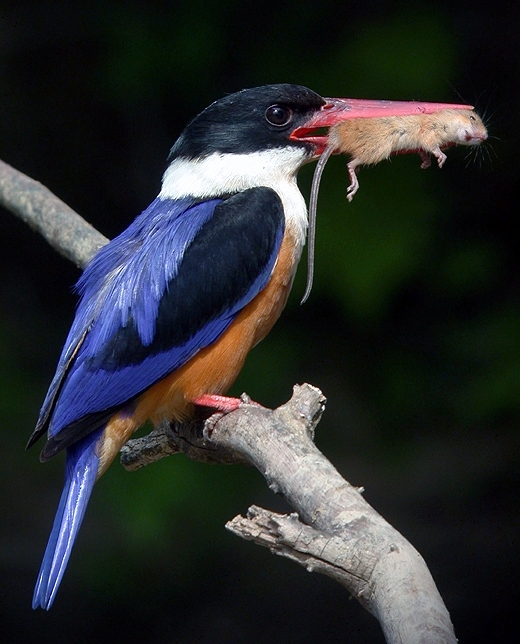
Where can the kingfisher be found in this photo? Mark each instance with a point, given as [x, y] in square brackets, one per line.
[169, 309]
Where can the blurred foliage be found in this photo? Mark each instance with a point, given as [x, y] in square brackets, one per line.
[412, 328]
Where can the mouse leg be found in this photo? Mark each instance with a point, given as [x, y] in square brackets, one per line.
[354, 183]
[425, 158]
[440, 156]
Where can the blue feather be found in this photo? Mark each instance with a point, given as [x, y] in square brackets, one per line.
[165, 288]
[127, 277]
[88, 391]
[121, 293]
[80, 476]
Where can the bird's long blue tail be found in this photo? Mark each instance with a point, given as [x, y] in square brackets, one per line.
[81, 470]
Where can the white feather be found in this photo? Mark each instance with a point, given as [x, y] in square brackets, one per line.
[223, 174]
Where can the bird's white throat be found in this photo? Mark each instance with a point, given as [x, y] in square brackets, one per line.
[223, 174]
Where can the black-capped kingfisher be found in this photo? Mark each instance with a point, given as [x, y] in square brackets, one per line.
[170, 308]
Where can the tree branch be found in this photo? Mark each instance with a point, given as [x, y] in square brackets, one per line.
[334, 530]
[67, 232]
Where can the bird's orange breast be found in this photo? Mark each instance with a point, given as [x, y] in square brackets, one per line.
[215, 368]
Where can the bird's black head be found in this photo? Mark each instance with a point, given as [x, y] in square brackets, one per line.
[249, 121]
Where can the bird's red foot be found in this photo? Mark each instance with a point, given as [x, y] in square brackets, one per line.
[224, 404]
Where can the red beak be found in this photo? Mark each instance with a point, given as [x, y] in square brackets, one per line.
[336, 110]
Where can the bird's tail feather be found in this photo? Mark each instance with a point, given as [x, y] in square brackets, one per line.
[81, 471]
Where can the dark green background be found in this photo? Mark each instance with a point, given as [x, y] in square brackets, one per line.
[412, 329]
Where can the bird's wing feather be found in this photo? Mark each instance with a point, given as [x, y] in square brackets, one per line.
[167, 287]
[128, 274]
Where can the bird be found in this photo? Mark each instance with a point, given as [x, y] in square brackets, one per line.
[169, 309]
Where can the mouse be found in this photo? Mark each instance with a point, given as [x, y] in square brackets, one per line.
[371, 140]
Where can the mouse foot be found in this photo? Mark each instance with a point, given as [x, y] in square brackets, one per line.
[425, 157]
[440, 156]
[354, 183]
[351, 191]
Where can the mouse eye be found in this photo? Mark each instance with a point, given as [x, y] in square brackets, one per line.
[279, 115]
[472, 118]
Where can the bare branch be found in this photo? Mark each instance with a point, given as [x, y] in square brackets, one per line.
[407, 605]
[64, 229]
[335, 531]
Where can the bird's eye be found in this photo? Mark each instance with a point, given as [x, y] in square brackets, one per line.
[279, 115]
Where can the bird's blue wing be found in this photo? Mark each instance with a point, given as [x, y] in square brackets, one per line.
[133, 263]
[154, 296]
